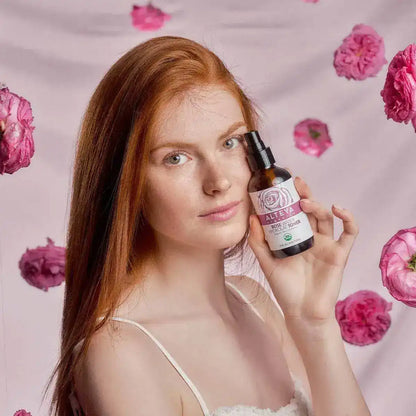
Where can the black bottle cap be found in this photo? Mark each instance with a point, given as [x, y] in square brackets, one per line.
[258, 156]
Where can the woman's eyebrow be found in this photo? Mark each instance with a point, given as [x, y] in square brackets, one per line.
[232, 128]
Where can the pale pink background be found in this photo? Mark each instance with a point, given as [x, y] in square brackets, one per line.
[55, 53]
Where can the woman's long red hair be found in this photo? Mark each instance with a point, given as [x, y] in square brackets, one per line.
[108, 236]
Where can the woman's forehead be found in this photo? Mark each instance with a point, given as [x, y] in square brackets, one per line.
[210, 110]
[194, 142]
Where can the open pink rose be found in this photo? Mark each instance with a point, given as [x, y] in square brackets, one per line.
[363, 317]
[312, 137]
[361, 54]
[398, 266]
[22, 412]
[43, 267]
[148, 17]
[399, 92]
[16, 139]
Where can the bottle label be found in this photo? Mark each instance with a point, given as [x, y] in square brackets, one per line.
[283, 221]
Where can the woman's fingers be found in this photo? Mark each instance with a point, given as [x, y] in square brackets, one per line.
[303, 189]
[324, 218]
[321, 219]
[351, 230]
[305, 192]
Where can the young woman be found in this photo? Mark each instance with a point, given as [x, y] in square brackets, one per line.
[151, 324]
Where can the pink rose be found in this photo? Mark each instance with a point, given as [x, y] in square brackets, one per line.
[310, 1]
[148, 17]
[398, 266]
[16, 140]
[43, 267]
[22, 412]
[361, 54]
[399, 92]
[312, 137]
[363, 317]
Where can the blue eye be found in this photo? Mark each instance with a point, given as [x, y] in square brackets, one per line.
[236, 138]
[171, 155]
[178, 152]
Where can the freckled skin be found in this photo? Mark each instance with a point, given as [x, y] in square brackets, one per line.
[196, 181]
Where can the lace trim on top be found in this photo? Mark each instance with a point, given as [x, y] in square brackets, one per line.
[299, 405]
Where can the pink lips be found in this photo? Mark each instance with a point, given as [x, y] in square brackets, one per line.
[223, 215]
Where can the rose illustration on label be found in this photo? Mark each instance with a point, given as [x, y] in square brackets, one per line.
[274, 198]
[284, 223]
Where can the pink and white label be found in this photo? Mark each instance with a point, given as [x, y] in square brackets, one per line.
[278, 209]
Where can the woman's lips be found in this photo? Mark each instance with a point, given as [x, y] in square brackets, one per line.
[223, 215]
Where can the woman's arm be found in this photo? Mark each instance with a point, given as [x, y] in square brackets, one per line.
[307, 287]
[334, 388]
[315, 355]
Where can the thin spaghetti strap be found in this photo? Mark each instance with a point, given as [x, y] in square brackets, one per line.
[177, 367]
[246, 300]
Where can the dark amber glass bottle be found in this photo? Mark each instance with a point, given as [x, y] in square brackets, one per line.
[272, 191]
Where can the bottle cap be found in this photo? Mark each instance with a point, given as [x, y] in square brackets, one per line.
[258, 155]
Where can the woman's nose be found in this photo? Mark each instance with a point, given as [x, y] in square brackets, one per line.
[216, 178]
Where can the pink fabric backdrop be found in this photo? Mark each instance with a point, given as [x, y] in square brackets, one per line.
[55, 53]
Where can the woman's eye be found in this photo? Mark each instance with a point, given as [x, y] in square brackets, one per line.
[172, 155]
[238, 139]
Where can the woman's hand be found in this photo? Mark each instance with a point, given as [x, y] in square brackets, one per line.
[307, 285]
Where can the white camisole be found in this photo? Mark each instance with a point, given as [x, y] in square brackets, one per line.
[299, 405]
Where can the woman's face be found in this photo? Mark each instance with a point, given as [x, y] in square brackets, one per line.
[209, 170]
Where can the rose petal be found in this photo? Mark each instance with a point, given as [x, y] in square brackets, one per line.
[397, 277]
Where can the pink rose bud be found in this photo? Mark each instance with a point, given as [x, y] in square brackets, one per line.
[363, 317]
[22, 412]
[399, 92]
[312, 137]
[361, 54]
[398, 266]
[43, 267]
[16, 140]
[148, 17]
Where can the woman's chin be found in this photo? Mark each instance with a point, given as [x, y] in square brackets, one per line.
[222, 239]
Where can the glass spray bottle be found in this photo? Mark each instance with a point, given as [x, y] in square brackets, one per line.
[272, 191]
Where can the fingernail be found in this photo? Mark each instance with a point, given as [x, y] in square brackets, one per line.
[338, 207]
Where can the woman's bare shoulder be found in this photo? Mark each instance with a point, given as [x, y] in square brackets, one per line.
[123, 374]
